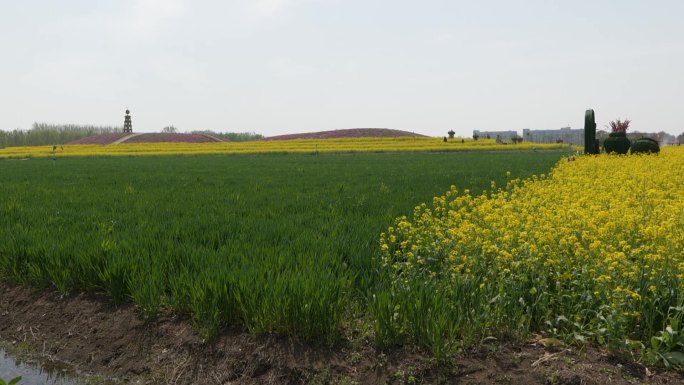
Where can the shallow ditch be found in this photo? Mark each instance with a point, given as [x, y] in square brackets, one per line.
[33, 372]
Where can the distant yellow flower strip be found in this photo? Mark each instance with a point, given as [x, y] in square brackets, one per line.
[593, 251]
[306, 146]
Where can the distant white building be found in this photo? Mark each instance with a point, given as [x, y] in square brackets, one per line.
[565, 135]
[503, 136]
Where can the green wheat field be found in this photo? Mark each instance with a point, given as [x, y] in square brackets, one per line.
[278, 243]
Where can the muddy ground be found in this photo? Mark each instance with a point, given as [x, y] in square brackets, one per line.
[93, 337]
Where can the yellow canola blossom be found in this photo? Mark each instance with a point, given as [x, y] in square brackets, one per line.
[600, 240]
[294, 146]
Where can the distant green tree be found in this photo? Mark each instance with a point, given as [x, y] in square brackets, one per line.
[45, 133]
[232, 136]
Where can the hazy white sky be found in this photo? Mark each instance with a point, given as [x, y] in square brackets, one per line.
[285, 66]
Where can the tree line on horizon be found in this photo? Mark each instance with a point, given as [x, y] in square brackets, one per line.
[41, 134]
[55, 134]
[663, 137]
[230, 136]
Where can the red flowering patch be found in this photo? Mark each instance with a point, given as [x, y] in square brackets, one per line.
[619, 126]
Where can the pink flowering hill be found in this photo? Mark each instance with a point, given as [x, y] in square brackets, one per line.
[100, 139]
[348, 133]
[120, 138]
[117, 138]
[171, 138]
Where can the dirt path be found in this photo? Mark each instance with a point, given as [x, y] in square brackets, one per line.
[125, 138]
[215, 138]
[116, 343]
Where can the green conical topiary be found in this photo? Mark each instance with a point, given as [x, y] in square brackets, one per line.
[590, 133]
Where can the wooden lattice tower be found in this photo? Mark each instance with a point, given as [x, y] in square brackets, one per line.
[128, 125]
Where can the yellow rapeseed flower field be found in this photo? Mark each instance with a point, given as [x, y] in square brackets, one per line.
[342, 145]
[592, 251]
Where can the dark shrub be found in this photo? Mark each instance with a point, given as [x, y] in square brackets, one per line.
[645, 146]
[617, 142]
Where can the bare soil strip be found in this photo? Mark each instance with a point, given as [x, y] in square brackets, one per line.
[95, 338]
[125, 138]
[214, 138]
